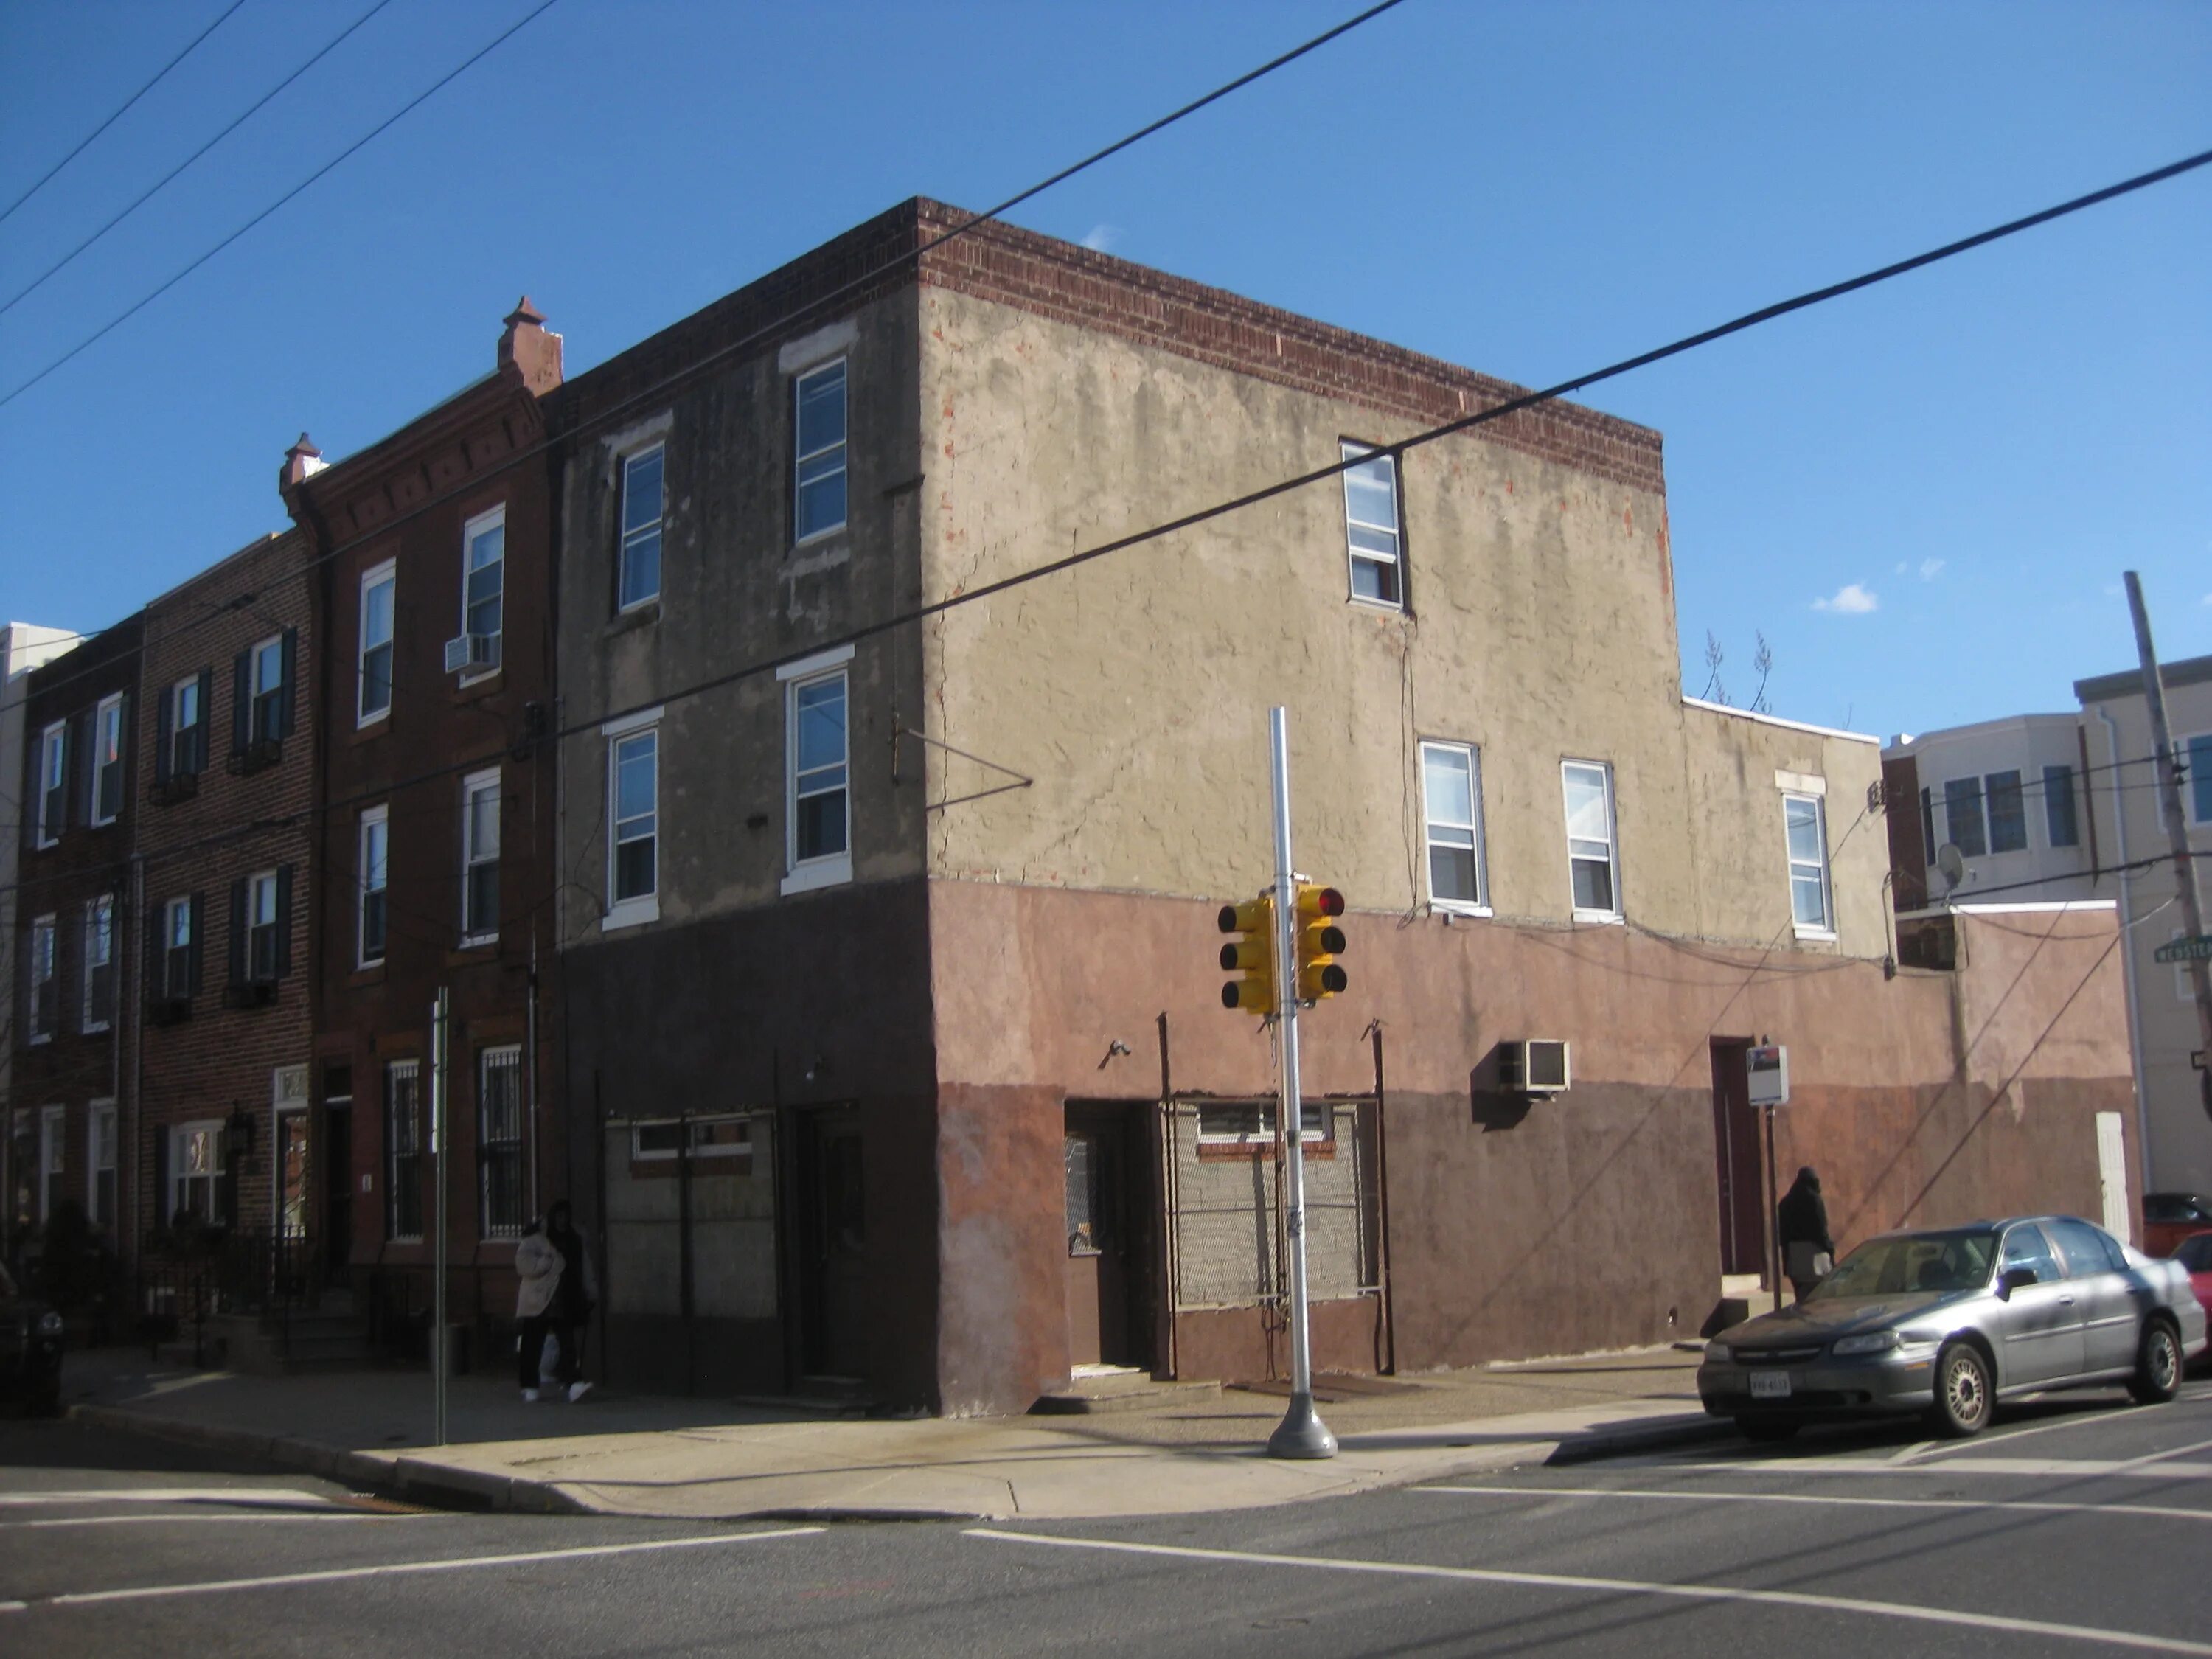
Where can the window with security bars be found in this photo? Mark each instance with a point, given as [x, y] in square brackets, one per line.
[403, 1150]
[503, 1206]
[1246, 1122]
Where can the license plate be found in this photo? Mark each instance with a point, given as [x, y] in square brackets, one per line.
[1770, 1385]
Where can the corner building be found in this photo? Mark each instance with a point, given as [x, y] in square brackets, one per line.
[890, 943]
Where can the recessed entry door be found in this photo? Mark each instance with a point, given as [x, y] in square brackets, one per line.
[1102, 1156]
[1737, 1160]
[834, 1258]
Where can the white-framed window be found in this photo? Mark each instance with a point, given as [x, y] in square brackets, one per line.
[502, 1204]
[99, 964]
[484, 584]
[2060, 819]
[709, 1137]
[100, 1163]
[1805, 831]
[263, 940]
[373, 867]
[177, 935]
[378, 592]
[45, 988]
[1962, 816]
[107, 800]
[1593, 852]
[266, 689]
[817, 796]
[1371, 527]
[1252, 1122]
[634, 808]
[197, 1159]
[187, 734]
[819, 421]
[2195, 754]
[53, 782]
[1451, 806]
[403, 1150]
[53, 1142]
[480, 857]
[638, 578]
[2008, 812]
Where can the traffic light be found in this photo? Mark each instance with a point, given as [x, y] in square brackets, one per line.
[1252, 953]
[1319, 941]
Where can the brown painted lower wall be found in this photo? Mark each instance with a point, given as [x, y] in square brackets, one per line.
[1244, 1345]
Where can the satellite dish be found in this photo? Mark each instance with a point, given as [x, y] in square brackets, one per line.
[1950, 865]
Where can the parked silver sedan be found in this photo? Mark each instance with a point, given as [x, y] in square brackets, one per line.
[1950, 1321]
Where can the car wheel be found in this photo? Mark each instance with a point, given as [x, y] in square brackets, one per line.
[1766, 1430]
[2158, 1364]
[1963, 1391]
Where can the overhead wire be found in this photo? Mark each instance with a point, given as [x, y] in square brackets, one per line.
[162, 183]
[83, 144]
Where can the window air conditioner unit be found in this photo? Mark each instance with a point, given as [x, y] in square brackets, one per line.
[1534, 1066]
[471, 651]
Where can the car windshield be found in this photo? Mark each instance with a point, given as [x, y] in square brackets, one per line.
[1913, 1262]
[2196, 1253]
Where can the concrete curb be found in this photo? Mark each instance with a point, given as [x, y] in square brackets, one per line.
[1656, 1436]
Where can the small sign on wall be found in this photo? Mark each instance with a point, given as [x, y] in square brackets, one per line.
[1769, 1067]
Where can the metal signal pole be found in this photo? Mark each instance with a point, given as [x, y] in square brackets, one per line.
[2177, 828]
[440, 1017]
[1301, 1433]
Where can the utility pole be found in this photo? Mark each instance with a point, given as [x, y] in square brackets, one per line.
[440, 1015]
[1301, 1433]
[2177, 830]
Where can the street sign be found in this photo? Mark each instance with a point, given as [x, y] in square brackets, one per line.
[2185, 950]
[1769, 1067]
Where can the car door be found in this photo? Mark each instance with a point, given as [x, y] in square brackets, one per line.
[2111, 1301]
[2039, 1324]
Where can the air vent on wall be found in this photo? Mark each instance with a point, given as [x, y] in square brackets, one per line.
[1534, 1066]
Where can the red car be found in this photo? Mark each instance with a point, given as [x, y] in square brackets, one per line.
[2169, 1218]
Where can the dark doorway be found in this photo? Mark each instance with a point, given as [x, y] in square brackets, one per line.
[338, 1175]
[1108, 1165]
[1736, 1156]
[833, 1243]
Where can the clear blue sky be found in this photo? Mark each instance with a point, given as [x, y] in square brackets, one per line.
[1531, 190]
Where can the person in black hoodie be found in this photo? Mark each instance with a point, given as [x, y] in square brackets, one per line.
[574, 1294]
[1808, 1252]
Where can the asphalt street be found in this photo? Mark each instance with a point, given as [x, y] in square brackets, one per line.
[2077, 1524]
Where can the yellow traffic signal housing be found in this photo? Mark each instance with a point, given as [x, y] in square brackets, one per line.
[1319, 942]
[1252, 954]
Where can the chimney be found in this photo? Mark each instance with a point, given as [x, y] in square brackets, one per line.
[301, 462]
[531, 347]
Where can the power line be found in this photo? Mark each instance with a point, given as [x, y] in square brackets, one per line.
[1250, 498]
[155, 189]
[701, 366]
[406, 109]
[125, 105]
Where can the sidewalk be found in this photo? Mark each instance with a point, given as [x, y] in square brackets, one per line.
[613, 1454]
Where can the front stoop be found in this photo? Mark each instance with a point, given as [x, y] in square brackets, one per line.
[1116, 1390]
[310, 1339]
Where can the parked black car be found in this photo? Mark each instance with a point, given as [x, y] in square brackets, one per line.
[30, 1351]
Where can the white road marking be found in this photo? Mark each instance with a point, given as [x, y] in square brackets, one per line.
[198, 1520]
[1627, 1587]
[336, 1575]
[2048, 1467]
[2163, 1511]
[1961, 1449]
[248, 1495]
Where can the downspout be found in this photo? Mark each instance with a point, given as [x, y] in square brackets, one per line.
[2128, 947]
[126, 1233]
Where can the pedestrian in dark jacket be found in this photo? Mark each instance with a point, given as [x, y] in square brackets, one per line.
[574, 1294]
[1807, 1251]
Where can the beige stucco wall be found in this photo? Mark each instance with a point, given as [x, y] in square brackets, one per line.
[1135, 689]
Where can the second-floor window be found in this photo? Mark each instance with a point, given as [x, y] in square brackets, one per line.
[2059, 813]
[480, 857]
[265, 939]
[2008, 812]
[639, 578]
[1371, 526]
[483, 586]
[183, 750]
[99, 963]
[44, 988]
[1451, 796]
[107, 760]
[53, 782]
[1593, 857]
[378, 587]
[1805, 832]
[1962, 816]
[818, 493]
[179, 965]
[375, 846]
[820, 823]
[635, 765]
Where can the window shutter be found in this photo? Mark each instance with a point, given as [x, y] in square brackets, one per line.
[161, 1135]
[241, 702]
[77, 768]
[161, 713]
[283, 919]
[207, 714]
[238, 931]
[284, 698]
[199, 925]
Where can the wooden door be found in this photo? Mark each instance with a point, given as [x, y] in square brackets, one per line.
[834, 1213]
[1736, 1159]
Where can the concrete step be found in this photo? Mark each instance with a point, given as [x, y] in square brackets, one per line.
[1117, 1391]
[1734, 1309]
